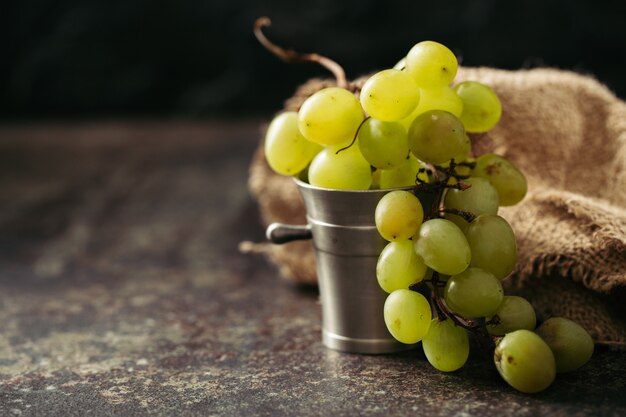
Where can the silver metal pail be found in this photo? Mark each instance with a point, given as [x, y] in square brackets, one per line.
[347, 246]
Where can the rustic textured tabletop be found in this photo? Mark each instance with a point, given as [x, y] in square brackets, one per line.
[122, 292]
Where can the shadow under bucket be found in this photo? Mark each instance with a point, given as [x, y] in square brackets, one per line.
[347, 245]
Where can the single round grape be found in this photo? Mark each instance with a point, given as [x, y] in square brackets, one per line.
[492, 242]
[525, 361]
[431, 64]
[286, 150]
[504, 176]
[515, 313]
[481, 106]
[398, 215]
[376, 180]
[473, 293]
[330, 116]
[570, 343]
[389, 95]
[407, 315]
[404, 175]
[399, 266]
[480, 198]
[443, 246]
[384, 144]
[438, 98]
[437, 136]
[346, 170]
[400, 65]
[446, 346]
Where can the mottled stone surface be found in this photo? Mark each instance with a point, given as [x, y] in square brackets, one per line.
[122, 292]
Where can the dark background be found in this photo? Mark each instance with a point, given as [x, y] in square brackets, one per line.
[82, 59]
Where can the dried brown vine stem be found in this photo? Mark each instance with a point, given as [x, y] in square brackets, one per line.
[289, 55]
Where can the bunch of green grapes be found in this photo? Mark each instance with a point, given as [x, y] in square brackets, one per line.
[408, 128]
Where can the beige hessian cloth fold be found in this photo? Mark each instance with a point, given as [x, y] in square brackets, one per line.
[567, 133]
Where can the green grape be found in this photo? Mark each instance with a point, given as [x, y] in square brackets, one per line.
[384, 144]
[389, 95]
[330, 116]
[286, 150]
[346, 170]
[460, 222]
[525, 361]
[467, 158]
[431, 64]
[515, 313]
[398, 215]
[473, 293]
[446, 346]
[480, 198]
[439, 98]
[400, 65]
[481, 106]
[437, 136]
[407, 315]
[461, 158]
[404, 175]
[504, 176]
[443, 246]
[399, 266]
[493, 245]
[376, 180]
[570, 343]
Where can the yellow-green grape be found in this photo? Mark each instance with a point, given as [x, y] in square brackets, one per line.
[400, 65]
[404, 175]
[446, 346]
[525, 361]
[407, 315]
[398, 215]
[473, 293]
[492, 242]
[383, 144]
[443, 246]
[330, 116]
[515, 313]
[504, 176]
[389, 95]
[399, 266]
[437, 136]
[570, 343]
[286, 150]
[346, 170]
[480, 198]
[431, 64]
[438, 98]
[467, 158]
[481, 106]
[376, 180]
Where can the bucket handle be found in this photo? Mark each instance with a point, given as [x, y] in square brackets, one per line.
[279, 233]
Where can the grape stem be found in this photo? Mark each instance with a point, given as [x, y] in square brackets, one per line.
[356, 135]
[291, 56]
[441, 176]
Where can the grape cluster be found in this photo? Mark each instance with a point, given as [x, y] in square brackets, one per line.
[444, 264]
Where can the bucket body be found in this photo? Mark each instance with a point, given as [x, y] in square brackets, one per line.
[347, 246]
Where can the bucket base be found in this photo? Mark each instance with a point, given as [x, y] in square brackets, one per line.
[367, 346]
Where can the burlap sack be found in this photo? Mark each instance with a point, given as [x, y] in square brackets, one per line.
[567, 133]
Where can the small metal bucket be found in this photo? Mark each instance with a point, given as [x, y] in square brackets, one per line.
[347, 246]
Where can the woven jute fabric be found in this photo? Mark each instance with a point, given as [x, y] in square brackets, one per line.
[567, 133]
